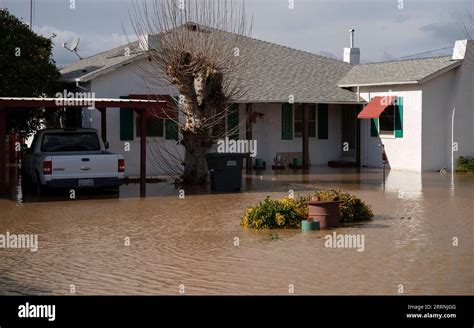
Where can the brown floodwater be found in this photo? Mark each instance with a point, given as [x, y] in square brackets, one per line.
[196, 244]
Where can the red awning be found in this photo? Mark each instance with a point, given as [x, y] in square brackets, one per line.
[376, 107]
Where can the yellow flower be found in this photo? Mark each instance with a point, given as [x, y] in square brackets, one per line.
[302, 212]
[280, 220]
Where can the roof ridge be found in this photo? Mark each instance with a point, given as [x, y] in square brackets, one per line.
[220, 30]
[105, 51]
[405, 60]
[279, 45]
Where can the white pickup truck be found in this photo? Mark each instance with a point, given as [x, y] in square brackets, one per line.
[72, 158]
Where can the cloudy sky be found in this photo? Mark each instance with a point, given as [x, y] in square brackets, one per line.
[385, 29]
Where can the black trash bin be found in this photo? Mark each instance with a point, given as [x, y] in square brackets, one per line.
[225, 171]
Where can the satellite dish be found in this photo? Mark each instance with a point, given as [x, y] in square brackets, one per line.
[74, 45]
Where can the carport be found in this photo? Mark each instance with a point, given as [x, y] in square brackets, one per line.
[9, 105]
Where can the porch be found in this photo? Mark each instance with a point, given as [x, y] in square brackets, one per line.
[321, 134]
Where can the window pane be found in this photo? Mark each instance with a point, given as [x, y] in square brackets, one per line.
[286, 121]
[312, 112]
[298, 112]
[299, 129]
[323, 121]
[389, 111]
[154, 127]
[70, 142]
[387, 120]
[312, 129]
[299, 125]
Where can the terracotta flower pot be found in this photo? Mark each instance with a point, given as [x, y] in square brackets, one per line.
[326, 212]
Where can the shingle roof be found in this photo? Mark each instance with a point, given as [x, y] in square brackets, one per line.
[90, 67]
[275, 72]
[272, 74]
[395, 72]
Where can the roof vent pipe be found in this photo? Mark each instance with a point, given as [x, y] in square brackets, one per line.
[352, 55]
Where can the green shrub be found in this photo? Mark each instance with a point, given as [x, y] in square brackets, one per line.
[288, 213]
[465, 164]
[276, 213]
[352, 208]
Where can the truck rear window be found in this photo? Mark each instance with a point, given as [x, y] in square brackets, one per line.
[57, 142]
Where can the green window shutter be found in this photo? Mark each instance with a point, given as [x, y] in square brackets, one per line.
[171, 127]
[323, 121]
[233, 121]
[287, 121]
[126, 122]
[374, 127]
[399, 118]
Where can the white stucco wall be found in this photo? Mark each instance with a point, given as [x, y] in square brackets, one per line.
[437, 121]
[130, 80]
[453, 89]
[403, 153]
[463, 101]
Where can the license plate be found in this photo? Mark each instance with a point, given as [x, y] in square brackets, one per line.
[85, 183]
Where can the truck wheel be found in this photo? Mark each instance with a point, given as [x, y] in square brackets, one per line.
[116, 191]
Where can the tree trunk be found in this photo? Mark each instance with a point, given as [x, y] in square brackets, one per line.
[195, 162]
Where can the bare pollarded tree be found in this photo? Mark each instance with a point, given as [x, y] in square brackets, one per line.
[468, 27]
[188, 47]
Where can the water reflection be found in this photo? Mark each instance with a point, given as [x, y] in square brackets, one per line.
[191, 241]
[406, 185]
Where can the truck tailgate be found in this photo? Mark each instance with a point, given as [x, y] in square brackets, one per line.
[84, 166]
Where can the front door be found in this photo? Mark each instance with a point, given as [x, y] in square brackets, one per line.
[349, 133]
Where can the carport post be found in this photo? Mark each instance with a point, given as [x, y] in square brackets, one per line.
[3, 157]
[142, 120]
[103, 123]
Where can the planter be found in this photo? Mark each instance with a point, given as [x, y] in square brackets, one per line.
[326, 212]
[308, 225]
[297, 162]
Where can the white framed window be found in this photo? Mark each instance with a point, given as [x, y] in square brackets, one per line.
[387, 122]
[155, 127]
[298, 120]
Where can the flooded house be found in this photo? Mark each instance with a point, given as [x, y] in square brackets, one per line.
[323, 110]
